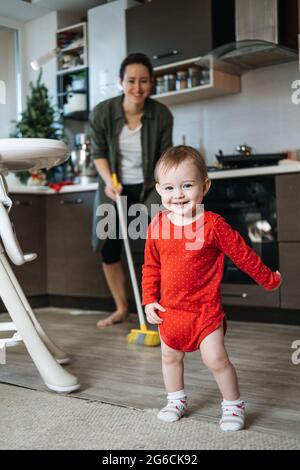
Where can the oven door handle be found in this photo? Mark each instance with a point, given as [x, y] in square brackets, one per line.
[243, 295]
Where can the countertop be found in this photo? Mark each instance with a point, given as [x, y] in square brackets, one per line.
[285, 166]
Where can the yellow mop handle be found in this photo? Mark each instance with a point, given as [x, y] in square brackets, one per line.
[115, 180]
[129, 258]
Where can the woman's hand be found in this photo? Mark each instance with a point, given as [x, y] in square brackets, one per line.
[110, 190]
[151, 314]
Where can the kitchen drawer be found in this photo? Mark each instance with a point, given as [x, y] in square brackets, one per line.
[288, 207]
[289, 259]
[249, 295]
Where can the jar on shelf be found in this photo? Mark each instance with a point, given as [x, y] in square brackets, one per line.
[159, 85]
[205, 76]
[181, 80]
[169, 82]
[194, 77]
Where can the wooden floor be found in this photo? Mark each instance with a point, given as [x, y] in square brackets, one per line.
[112, 371]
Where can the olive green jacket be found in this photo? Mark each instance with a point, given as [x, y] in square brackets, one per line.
[106, 123]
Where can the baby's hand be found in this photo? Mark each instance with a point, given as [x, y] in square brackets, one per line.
[277, 287]
[151, 314]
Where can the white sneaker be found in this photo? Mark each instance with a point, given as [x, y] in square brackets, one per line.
[174, 410]
[233, 417]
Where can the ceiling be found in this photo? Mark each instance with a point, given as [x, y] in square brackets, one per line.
[23, 11]
[72, 6]
[27, 10]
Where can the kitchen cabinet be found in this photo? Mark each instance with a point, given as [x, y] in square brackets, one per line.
[106, 33]
[73, 268]
[290, 269]
[288, 210]
[288, 207]
[175, 30]
[72, 71]
[28, 217]
[246, 295]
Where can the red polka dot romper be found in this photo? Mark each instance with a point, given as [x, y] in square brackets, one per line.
[183, 270]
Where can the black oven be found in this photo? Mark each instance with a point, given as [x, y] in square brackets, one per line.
[249, 206]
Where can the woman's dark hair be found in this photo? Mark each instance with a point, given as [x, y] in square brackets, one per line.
[136, 58]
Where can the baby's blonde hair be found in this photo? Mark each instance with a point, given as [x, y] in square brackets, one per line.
[173, 156]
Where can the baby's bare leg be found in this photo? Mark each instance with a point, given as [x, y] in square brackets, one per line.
[215, 357]
[172, 368]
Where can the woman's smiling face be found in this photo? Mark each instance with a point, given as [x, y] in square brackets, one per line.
[137, 83]
[181, 188]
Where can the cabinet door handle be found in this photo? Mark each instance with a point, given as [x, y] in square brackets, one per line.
[23, 203]
[71, 201]
[243, 295]
[167, 54]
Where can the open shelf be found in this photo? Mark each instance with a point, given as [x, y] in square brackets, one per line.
[73, 101]
[218, 83]
[72, 43]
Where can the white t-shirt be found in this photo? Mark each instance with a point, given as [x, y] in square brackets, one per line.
[131, 165]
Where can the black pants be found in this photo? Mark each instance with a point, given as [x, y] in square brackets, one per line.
[112, 248]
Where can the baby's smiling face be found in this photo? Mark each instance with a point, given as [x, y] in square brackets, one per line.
[182, 188]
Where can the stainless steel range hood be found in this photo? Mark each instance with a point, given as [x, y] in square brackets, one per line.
[266, 34]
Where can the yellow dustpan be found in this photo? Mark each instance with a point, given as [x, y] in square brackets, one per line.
[142, 336]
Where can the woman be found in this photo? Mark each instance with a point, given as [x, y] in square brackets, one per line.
[128, 133]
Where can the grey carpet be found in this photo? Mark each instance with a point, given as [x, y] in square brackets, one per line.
[31, 419]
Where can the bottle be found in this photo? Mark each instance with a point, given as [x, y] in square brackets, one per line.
[205, 76]
[194, 77]
[169, 82]
[181, 80]
[159, 85]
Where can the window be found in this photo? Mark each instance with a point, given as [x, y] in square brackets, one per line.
[10, 104]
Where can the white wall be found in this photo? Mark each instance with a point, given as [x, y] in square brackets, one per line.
[263, 115]
[8, 103]
[38, 38]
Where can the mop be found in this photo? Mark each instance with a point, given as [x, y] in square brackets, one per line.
[141, 336]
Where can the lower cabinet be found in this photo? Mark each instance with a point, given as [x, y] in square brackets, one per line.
[249, 295]
[28, 217]
[73, 268]
[290, 268]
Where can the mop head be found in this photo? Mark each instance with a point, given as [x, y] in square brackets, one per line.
[144, 338]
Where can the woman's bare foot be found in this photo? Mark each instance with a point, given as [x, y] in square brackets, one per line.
[116, 317]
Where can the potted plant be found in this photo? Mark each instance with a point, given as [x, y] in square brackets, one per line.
[40, 119]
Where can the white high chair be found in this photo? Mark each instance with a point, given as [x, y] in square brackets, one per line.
[18, 155]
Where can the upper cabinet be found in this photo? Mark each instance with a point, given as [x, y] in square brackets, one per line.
[72, 71]
[107, 48]
[170, 31]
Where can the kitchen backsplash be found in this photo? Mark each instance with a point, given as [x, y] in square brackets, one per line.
[262, 115]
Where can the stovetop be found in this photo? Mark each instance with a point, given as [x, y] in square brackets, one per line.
[230, 162]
